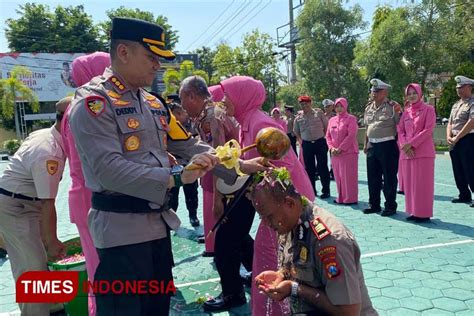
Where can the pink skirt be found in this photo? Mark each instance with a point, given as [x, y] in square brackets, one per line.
[418, 182]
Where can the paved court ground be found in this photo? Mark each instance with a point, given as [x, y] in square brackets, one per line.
[410, 269]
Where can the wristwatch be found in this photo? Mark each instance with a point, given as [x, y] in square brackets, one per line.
[176, 172]
[294, 289]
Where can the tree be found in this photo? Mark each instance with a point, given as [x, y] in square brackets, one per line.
[326, 52]
[449, 95]
[172, 80]
[67, 30]
[12, 90]
[206, 56]
[171, 36]
[288, 95]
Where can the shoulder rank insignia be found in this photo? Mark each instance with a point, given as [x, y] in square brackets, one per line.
[154, 104]
[117, 84]
[95, 105]
[320, 229]
[132, 143]
[52, 166]
[133, 123]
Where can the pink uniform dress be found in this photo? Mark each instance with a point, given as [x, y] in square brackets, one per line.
[84, 68]
[279, 120]
[248, 95]
[231, 131]
[342, 135]
[416, 128]
[401, 184]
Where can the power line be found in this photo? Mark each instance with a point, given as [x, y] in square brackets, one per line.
[207, 29]
[226, 23]
[253, 16]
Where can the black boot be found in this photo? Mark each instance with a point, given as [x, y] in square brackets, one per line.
[3, 253]
[223, 303]
[193, 218]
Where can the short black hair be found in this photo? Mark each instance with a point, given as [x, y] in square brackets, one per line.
[175, 106]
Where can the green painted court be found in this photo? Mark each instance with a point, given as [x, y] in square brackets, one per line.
[409, 268]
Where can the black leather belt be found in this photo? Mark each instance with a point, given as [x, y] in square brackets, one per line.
[17, 196]
[123, 204]
[313, 141]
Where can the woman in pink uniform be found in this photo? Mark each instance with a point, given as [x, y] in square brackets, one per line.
[276, 115]
[231, 131]
[244, 97]
[84, 68]
[341, 138]
[415, 132]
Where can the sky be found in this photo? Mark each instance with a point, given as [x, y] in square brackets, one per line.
[198, 22]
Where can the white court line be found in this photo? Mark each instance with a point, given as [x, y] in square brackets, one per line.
[368, 255]
[437, 183]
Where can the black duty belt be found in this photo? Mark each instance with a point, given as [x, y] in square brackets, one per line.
[123, 204]
[17, 196]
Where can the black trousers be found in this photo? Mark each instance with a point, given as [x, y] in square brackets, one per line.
[150, 260]
[190, 195]
[382, 168]
[462, 159]
[233, 246]
[318, 149]
[293, 142]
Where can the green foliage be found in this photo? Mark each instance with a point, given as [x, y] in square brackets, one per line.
[171, 36]
[13, 89]
[68, 29]
[171, 79]
[11, 146]
[206, 56]
[449, 95]
[201, 73]
[288, 95]
[326, 51]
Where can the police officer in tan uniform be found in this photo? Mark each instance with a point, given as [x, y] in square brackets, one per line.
[123, 139]
[28, 189]
[310, 130]
[460, 137]
[290, 118]
[381, 118]
[319, 259]
[328, 106]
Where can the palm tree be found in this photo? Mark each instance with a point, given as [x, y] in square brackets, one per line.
[12, 90]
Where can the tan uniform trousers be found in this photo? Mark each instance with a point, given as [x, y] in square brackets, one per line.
[20, 227]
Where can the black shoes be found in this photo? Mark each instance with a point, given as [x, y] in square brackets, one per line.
[207, 254]
[401, 192]
[3, 253]
[354, 203]
[371, 210]
[387, 212]
[194, 221]
[223, 303]
[325, 196]
[458, 200]
[472, 205]
[201, 239]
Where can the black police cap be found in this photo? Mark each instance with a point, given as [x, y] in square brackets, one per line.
[150, 35]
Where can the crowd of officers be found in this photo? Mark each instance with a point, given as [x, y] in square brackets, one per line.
[127, 146]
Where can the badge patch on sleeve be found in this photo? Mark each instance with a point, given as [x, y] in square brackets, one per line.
[95, 105]
[52, 166]
[332, 269]
[132, 143]
[133, 123]
[325, 252]
[320, 229]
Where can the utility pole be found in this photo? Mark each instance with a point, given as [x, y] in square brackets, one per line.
[292, 45]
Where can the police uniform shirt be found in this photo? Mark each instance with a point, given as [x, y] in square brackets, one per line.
[311, 126]
[322, 253]
[122, 137]
[36, 168]
[216, 127]
[461, 113]
[291, 123]
[381, 121]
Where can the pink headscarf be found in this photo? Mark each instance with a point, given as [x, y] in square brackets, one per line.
[246, 93]
[216, 93]
[86, 67]
[342, 102]
[275, 110]
[419, 102]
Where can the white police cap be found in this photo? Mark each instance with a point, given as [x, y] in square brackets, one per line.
[461, 81]
[327, 102]
[378, 84]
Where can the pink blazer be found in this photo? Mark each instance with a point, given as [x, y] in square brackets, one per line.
[342, 133]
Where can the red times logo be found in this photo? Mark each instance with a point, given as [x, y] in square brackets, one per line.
[47, 287]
